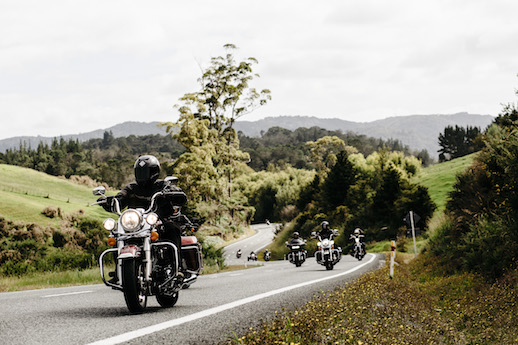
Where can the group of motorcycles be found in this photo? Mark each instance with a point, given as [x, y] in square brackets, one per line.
[147, 266]
[267, 255]
[327, 253]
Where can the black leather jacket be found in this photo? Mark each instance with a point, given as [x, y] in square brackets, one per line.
[326, 233]
[135, 196]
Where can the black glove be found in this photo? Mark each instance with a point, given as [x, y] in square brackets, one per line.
[107, 204]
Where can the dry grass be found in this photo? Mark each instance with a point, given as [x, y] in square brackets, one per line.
[413, 308]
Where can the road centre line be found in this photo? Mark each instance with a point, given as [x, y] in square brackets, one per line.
[66, 294]
[176, 322]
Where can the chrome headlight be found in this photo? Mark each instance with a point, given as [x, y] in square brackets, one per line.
[131, 220]
[152, 218]
[109, 224]
[325, 243]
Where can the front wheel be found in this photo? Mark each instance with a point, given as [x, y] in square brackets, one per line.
[167, 301]
[329, 265]
[134, 285]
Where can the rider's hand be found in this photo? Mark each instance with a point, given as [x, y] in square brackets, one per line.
[108, 202]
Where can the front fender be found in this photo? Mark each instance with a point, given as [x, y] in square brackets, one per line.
[129, 252]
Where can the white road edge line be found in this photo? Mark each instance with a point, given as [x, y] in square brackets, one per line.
[176, 322]
[66, 294]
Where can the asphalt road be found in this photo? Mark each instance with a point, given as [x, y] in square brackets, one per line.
[263, 236]
[206, 313]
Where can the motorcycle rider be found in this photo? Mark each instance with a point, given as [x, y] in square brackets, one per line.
[138, 195]
[295, 238]
[326, 232]
[358, 233]
[267, 254]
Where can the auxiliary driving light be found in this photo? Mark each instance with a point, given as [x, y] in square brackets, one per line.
[109, 224]
[152, 218]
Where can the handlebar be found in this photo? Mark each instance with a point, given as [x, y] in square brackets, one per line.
[180, 197]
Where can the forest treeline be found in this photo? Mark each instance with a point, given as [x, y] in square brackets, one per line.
[110, 160]
[281, 147]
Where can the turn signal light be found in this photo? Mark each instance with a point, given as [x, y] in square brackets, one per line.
[112, 241]
[154, 236]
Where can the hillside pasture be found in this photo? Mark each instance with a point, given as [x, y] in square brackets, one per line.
[439, 178]
[25, 193]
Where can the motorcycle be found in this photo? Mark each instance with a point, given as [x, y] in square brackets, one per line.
[267, 255]
[297, 254]
[358, 251]
[146, 266]
[238, 254]
[326, 254]
[252, 257]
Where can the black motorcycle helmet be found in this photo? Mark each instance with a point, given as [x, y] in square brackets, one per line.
[325, 225]
[147, 170]
[296, 235]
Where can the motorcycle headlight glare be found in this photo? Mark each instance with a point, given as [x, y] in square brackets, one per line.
[152, 219]
[109, 224]
[130, 220]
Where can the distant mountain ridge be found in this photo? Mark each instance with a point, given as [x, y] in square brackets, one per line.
[417, 131]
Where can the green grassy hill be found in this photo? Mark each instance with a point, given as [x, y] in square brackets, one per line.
[439, 178]
[26, 192]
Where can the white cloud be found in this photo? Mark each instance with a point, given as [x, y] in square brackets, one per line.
[69, 67]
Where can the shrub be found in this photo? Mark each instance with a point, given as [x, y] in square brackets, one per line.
[212, 255]
[52, 212]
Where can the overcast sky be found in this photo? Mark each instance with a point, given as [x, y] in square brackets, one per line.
[69, 67]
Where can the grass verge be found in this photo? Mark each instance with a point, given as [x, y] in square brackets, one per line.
[415, 307]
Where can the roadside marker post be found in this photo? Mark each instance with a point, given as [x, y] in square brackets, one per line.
[411, 219]
[392, 257]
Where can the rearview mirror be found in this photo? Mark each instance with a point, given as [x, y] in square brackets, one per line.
[99, 190]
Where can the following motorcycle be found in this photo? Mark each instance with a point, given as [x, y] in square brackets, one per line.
[146, 266]
[252, 256]
[267, 255]
[297, 254]
[327, 254]
[358, 251]
[238, 254]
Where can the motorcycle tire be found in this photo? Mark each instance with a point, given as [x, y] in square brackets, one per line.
[167, 301]
[329, 266]
[134, 292]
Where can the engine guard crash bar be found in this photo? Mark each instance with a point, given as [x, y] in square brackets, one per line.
[331, 251]
[107, 283]
[119, 286]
